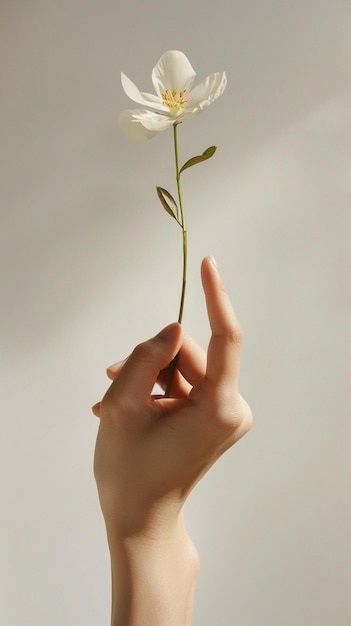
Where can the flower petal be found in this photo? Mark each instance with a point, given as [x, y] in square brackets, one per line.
[132, 126]
[172, 71]
[204, 94]
[134, 94]
[140, 124]
[153, 121]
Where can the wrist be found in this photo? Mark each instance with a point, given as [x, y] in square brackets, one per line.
[153, 577]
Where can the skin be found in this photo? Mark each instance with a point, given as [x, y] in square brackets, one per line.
[151, 451]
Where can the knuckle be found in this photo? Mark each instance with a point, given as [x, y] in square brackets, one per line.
[142, 352]
[232, 413]
[247, 421]
[233, 335]
[236, 336]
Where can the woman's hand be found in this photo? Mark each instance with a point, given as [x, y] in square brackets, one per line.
[151, 450]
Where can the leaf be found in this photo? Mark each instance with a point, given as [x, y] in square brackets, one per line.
[168, 203]
[207, 154]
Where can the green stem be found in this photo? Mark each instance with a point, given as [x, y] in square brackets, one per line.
[173, 364]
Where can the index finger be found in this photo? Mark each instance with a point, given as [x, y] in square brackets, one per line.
[223, 355]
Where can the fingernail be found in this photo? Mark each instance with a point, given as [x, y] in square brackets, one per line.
[95, 408]
[111, 369]
[169, 334]
[214, 262]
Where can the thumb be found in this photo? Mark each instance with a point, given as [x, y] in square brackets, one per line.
[139, 374]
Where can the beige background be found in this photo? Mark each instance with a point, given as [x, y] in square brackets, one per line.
[90, 265]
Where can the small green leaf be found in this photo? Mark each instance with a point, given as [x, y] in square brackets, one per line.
[207, 154]
[168, 203]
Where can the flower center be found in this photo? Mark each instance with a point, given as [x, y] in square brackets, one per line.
[174, 100]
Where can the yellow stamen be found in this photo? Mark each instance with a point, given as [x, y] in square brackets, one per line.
[174, 100]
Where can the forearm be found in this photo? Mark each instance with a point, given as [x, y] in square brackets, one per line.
[153, 579]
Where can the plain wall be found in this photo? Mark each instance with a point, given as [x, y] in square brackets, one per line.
[91, 265]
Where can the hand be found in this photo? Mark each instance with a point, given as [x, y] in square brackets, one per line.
[151, 451]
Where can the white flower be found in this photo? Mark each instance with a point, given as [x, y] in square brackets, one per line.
[175, 99]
